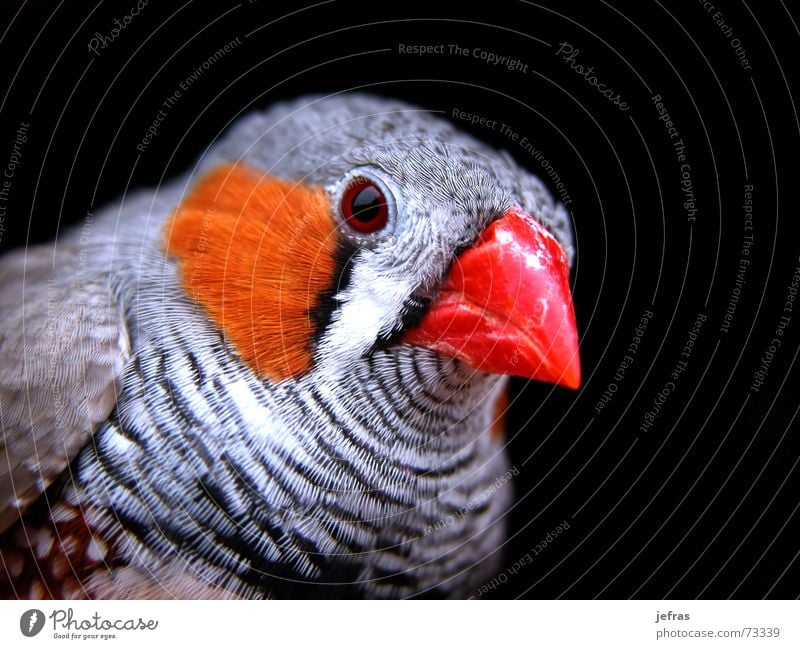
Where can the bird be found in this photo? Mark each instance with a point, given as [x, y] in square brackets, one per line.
[283, 373]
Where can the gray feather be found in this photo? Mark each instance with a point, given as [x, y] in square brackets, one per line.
[63, 344]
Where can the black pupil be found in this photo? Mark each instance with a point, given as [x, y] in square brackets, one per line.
[367, 204]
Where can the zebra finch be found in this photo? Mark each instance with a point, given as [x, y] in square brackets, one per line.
[282, 373]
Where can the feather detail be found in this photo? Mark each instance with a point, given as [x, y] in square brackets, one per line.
[257, 252]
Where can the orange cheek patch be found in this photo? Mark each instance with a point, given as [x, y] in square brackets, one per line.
[256, 252]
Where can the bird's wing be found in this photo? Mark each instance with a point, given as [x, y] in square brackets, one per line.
[63, 344]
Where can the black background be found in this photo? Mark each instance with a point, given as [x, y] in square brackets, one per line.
[703, 503]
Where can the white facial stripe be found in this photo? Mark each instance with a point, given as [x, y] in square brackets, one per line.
[370, 305]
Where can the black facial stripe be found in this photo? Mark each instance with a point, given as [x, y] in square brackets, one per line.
[322, 312]
[414, 309]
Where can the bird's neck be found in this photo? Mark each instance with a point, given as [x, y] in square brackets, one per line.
[403, 404]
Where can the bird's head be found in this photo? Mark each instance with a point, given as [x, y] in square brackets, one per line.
[327, 228]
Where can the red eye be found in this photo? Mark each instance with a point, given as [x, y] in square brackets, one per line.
[364, 206]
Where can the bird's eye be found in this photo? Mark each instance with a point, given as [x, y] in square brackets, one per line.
[364, 206]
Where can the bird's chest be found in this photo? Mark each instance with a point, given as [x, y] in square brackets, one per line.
[220, 487]
[333, 504]
[396, 509]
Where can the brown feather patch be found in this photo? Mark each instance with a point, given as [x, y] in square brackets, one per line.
[256, 252]
[501, 406]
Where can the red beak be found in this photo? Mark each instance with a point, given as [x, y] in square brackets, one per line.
[505, 307]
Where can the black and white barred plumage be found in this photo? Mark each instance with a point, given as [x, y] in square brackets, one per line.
[373, 474]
